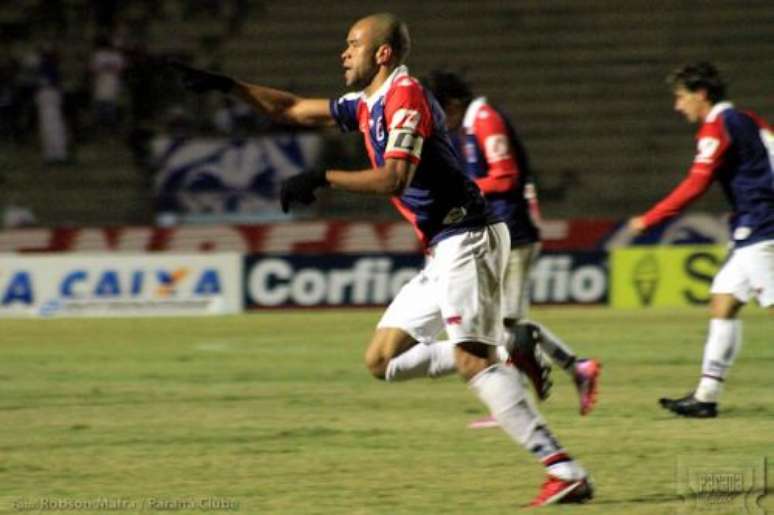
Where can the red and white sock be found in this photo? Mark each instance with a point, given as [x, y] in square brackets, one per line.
[561, 465]
[500, 388]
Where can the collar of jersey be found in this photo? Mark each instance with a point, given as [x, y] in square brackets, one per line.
[717, 109]
[379, 93]
[471, 111]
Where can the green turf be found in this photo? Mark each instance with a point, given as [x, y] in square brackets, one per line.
[275, 412]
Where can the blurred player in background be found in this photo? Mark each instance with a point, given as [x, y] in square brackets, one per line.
[493, 156]
[413, 162]
[735, 148]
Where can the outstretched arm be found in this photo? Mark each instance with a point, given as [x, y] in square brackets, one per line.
[285, 107]
[691, 188]
[281, 106]
[711, 146]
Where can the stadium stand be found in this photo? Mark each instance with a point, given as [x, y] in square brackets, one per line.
[582, 81]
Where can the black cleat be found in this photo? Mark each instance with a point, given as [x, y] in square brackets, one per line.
[688, 406]
[525, 355]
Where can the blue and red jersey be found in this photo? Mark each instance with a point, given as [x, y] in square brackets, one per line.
[496, 160]
[737, 149]
[403, 121]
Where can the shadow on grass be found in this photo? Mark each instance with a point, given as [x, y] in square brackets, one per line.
[640, 499]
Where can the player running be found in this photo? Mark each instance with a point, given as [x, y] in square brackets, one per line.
[493, 156]
[413, 163]
[735, 148]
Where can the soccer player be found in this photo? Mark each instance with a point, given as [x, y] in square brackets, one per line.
[736, 149]
[413, 163]
[493, 156]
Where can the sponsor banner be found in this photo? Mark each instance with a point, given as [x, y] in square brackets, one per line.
[311, 237]
[664, 276]
[363, 280]
[327, 280]
[570, 278]
[227, 176]
[121, 285]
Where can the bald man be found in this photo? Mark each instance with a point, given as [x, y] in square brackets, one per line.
[459, 289]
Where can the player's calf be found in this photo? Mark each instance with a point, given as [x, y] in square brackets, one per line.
[522, 346]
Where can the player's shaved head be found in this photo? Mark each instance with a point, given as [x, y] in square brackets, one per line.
[386, 28]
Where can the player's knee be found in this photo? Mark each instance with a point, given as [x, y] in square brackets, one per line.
[376, 363]
[724, 306]
[471, 358]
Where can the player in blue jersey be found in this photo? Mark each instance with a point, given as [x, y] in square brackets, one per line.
[493, 156]
[736, 149]
[413, 162]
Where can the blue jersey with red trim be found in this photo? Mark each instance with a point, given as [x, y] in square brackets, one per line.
[736, 149]
[403, 121]
[495, 159]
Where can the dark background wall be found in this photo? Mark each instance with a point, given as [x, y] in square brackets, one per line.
[583, 82]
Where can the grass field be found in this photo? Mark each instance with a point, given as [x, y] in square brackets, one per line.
[275, 413]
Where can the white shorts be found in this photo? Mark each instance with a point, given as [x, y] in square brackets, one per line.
[516, 284]
[459, 289]
[748, 272]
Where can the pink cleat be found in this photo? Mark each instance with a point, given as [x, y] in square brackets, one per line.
[586, 378]
[484, 423]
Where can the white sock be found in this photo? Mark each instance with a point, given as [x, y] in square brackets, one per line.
[723, 343]
[422, 360]
[499, 387]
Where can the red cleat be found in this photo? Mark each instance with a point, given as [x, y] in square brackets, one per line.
[558, 491]
[586, 378]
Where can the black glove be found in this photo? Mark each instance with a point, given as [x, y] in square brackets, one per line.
[300, 188]
[201, 81]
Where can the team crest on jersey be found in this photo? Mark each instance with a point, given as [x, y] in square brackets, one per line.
[455, 215]
[706, 149]
[379, 129]
[496, 147]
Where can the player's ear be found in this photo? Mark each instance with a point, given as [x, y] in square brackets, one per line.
[383, 54]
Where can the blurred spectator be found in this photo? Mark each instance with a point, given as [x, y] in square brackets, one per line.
[27, 83]
[48, 98]
[107, 66]
[15, 215]
[9, 95]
